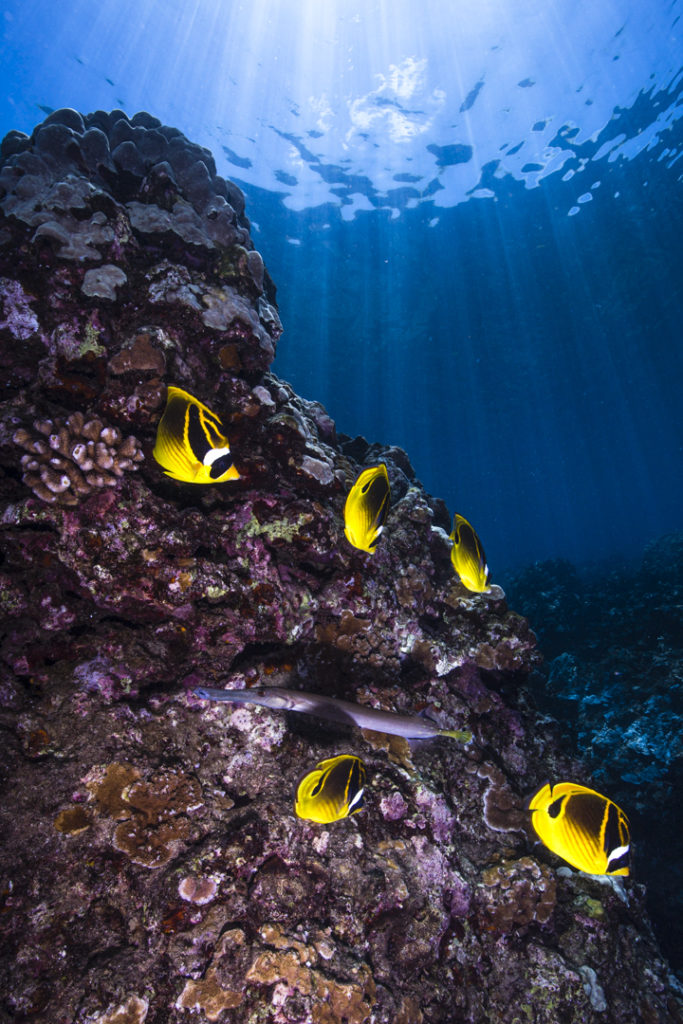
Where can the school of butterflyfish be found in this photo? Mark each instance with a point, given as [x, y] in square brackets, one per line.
[587, 830]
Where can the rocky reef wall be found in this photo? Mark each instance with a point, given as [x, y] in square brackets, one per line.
[152, 867]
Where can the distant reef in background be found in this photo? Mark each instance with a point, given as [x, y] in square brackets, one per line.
[612, 675]
[152, 865]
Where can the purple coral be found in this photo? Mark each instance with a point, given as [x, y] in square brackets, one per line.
[19, 319]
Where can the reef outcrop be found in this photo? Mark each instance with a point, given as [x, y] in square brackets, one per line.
[152, 866]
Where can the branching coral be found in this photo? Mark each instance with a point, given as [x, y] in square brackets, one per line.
[67, 460]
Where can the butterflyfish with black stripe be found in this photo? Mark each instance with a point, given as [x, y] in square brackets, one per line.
[468, 558]
[366, 508]
[191, 445]
[332, 791]
[583, 827]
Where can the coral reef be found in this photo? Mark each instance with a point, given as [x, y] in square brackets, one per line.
[152, 867]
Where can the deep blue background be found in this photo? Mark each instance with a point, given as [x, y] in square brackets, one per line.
[530, 362]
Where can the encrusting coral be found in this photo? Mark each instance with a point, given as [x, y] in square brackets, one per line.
[152, 866]
[154, 813]
[133, 1011]
[515, 893]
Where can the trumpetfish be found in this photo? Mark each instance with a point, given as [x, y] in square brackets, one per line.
[332, 709]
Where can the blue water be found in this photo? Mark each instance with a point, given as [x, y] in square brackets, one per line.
[473, 219]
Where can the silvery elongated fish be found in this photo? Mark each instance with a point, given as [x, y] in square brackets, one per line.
[334, 710]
